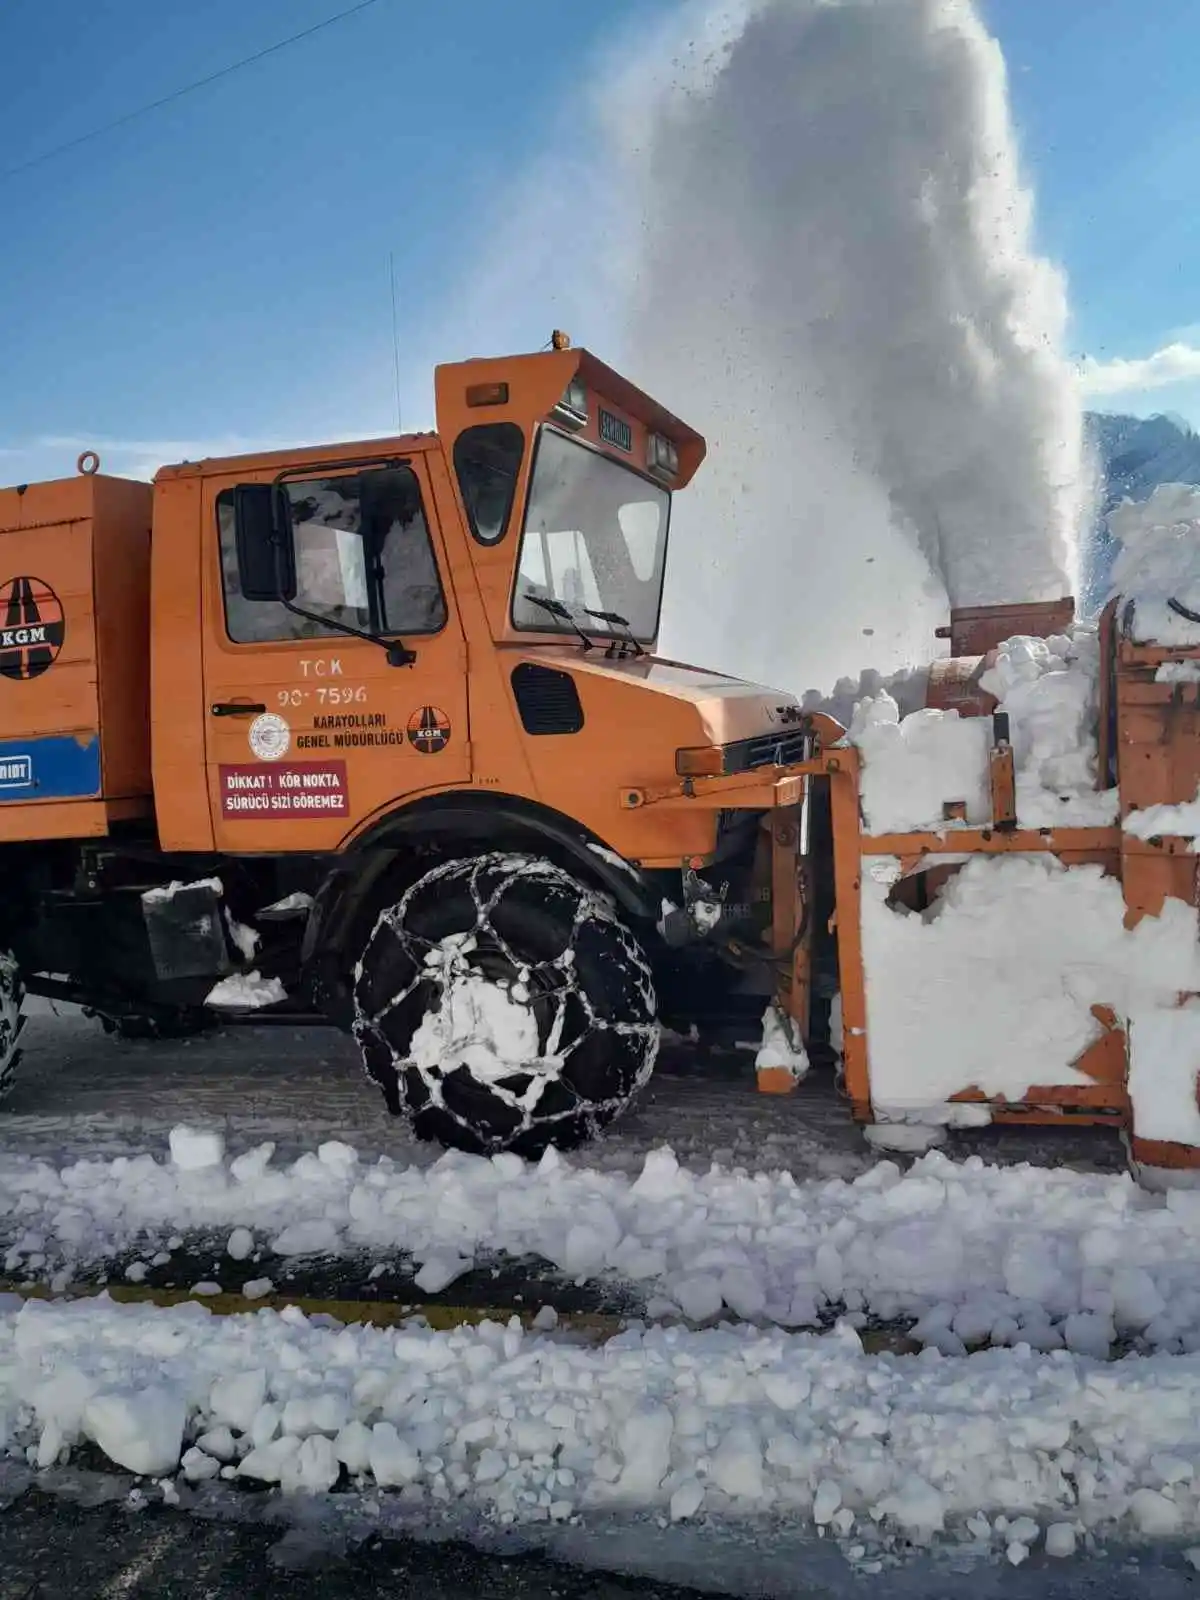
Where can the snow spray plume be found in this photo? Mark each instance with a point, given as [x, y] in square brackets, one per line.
[833, 277]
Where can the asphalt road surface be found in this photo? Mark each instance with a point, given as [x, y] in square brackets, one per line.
[52, 1548]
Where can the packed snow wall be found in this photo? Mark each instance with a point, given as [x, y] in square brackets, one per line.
[831, 273]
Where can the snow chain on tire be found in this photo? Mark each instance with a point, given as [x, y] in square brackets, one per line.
[12, 1021]
[500, 1004]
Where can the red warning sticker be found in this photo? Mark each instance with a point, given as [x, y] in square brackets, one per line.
[295, 789]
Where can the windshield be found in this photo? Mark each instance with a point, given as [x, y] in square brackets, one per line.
[595, 541]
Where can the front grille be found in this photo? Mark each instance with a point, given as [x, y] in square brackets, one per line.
[768, 750]
[547, 700]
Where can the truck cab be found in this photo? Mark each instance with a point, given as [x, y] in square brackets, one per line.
[408, 689]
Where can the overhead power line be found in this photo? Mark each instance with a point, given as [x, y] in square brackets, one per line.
[178, 94]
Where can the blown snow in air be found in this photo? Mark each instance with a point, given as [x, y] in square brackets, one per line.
[833, 274]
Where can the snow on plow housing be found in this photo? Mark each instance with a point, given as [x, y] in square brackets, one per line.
[551, 840]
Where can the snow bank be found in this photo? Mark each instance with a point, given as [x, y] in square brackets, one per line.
[1159, 561]
[974, 1252]
[521, 1428]
[992, 988]
[915, 763]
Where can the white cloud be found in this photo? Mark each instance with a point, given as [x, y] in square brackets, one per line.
[1174, 363]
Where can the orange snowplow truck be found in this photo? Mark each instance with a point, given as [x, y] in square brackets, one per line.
[376, 732]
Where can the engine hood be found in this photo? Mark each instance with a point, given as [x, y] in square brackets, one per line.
[727, 709]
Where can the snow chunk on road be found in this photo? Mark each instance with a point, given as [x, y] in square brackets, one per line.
[1060, 1540]
[393, 1460]
[237, 1397]
[314, 1238]
[240, 1245]
[193, 1149]
[440, 1271]
[141, 1430]
[646, 1449]
[1155, 1515]
[247, 991]
[313, 1469]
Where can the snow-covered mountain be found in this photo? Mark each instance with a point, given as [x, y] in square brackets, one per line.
[1134, 455]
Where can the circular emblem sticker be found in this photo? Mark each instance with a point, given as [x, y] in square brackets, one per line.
[270, 736]
[429, 730]
[32, 628]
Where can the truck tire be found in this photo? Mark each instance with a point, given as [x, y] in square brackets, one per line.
[12, 1021]
[500, 1004]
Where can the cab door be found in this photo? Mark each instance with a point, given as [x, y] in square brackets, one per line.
[310, 731]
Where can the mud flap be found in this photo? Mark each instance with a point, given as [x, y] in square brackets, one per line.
[187, 938]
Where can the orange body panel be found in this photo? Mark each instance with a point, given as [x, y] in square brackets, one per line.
[177, 668]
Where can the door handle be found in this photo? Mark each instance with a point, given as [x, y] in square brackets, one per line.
[235, 708]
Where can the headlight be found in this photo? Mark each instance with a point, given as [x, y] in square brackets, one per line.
[571, 410]
[662, 458]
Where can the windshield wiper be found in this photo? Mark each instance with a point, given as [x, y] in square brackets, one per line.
[616, 620]
[557, 609]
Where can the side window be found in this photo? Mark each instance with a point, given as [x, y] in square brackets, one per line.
[363, 558]
[487, 460]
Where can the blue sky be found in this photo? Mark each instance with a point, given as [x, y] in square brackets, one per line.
[216, 274]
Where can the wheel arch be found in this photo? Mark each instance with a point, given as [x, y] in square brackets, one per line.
[444, 823]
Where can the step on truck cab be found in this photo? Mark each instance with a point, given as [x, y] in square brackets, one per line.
[378, 731]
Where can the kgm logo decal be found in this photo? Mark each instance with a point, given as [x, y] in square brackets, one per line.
[32, 627]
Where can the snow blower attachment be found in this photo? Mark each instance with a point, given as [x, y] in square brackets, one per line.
[377, 733]
[1016, 887]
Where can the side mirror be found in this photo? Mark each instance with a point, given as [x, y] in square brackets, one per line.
[266, 551]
